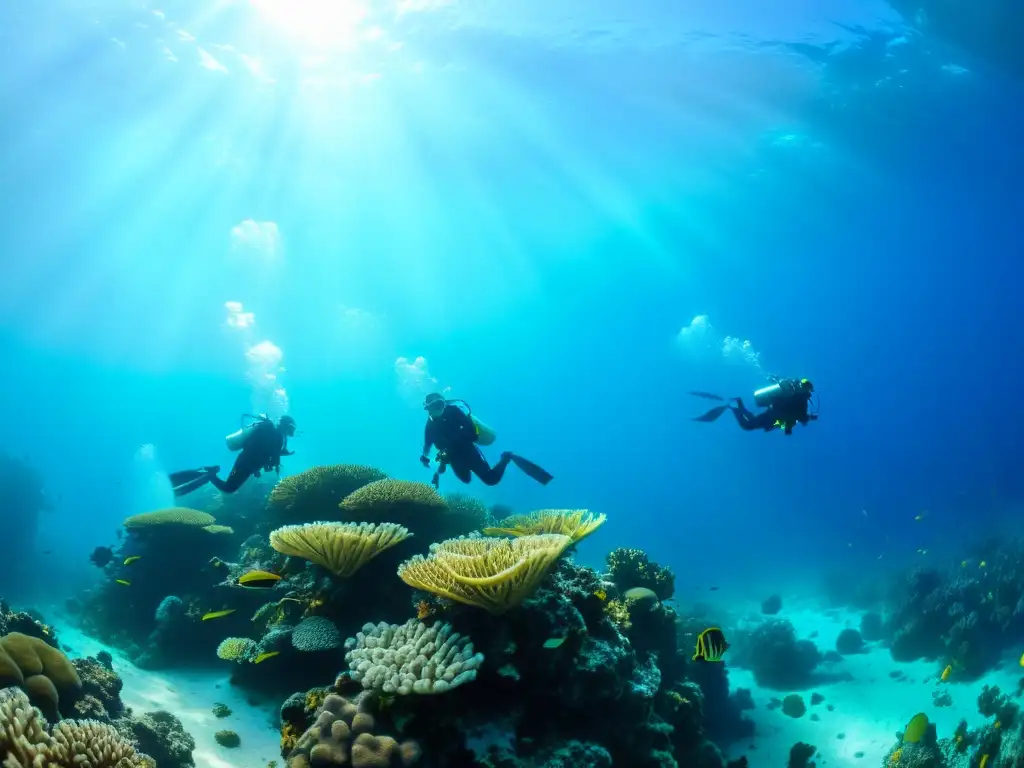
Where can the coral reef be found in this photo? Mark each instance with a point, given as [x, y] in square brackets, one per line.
[161, 735]
[628, 568]
[777, 659]
[316, 493]
[849, 642]
[344, 734]
[27, 740]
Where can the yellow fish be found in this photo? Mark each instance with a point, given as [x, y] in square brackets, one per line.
[217, 614]
[265, 656]
[947, 672]
[1022, 660]
[123, 582]
[982, 564]
[132, 559]
[916, 728]
[711, 645]
[601, 595]
[258, 579]
[984, 761]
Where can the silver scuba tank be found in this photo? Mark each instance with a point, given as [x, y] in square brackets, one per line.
[765, 396]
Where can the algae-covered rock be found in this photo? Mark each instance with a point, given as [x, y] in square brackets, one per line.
[162, 736]
[228, 739]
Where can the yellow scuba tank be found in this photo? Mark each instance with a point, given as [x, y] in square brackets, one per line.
[236, 440]
[484, 434]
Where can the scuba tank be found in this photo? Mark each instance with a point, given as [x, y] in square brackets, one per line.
[485, 435]
[781, 389]
[236, 440]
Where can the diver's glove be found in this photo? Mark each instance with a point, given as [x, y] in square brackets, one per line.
[425, 461]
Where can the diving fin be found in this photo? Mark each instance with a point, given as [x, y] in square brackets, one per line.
[189, 480]
[708, 396]
[533, 471]
[713, 414]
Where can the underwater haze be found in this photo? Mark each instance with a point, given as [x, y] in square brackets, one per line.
[570, 214]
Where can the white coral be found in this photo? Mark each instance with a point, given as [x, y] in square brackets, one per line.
[411, 658]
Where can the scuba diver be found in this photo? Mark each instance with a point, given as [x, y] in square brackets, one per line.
[456, 432]
[785, 402]
[262, 444]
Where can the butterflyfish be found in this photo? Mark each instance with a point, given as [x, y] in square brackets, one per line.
[132, 559]
[711, 645]
[265, 656]
[218, 614]
[916, 728]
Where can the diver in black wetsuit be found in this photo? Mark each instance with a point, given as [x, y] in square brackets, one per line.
[262, 445]
[454, 433]
[785, 403]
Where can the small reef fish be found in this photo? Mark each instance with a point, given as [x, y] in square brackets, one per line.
[711, 645]
[264, 656]
[920, 517]
[982, 564]
[984, 761]
[258, 579]
[1021, 662]
[916, 728]
[963, 563]
[132, 559]
[218, 614]
[922, 551]
[123, 582]
[554, 642]
[946, 673]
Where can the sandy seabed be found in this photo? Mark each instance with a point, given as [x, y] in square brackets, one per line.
[869, 712]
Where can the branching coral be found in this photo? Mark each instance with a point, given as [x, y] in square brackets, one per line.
[26, 741]
[317, 492]
[577, 524]
[342, 735]
[494, 574]
[172, 516]
[411, 658]
[341, 548]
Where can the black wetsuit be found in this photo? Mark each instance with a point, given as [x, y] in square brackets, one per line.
[263, 449]
[785, 411]
[454, 434]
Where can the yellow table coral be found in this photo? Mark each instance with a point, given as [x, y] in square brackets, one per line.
[341, 548]
[494, 574]
[577, 524]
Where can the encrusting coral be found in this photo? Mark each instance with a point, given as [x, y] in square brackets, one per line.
[238, 649]
[316, 493]
[341, 548]
[27, 742]
[628, 568]
[577, 524]
[493, 574]
[411, 658]
[171, 516]
[343, 735]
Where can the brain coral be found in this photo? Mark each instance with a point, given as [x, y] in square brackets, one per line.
[44, 672]
[240, 649]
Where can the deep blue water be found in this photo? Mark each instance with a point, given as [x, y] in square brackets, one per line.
[536, 203]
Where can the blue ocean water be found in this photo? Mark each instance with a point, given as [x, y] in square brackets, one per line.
[569, 215]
